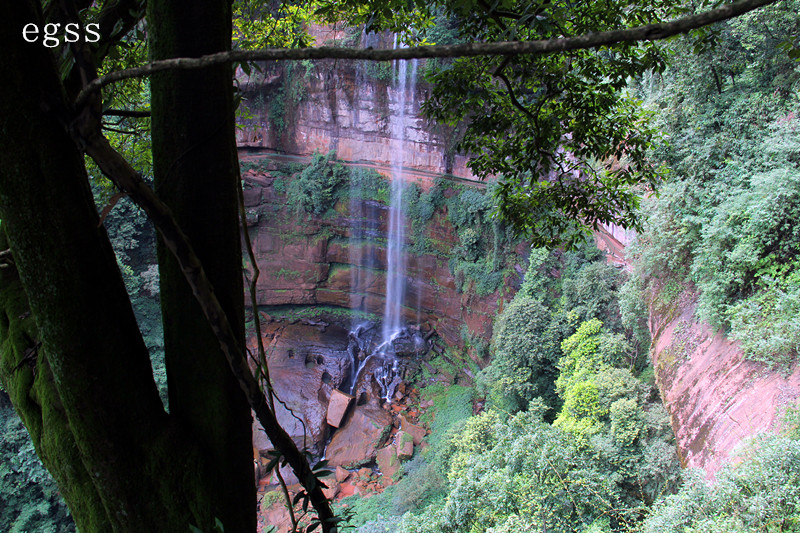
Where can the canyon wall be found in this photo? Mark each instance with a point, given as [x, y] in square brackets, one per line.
[309, 260]
[300, 108]
[716, 398]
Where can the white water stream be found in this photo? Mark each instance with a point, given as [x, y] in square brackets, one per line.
[362, 349]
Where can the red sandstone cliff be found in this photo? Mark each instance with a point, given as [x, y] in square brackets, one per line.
[346, 109]
[307, 261]
[716, 398]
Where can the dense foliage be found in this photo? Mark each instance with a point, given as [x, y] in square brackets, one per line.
[758, 494]
[528, 335]
[607, 457]
[726, 223]
[29, 498]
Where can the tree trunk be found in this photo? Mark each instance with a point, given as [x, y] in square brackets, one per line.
[86, 393]
[197, 176]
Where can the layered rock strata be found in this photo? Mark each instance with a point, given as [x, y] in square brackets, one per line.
[343, 106]
[307, 260]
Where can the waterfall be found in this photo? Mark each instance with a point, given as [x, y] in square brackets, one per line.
[373, 352]
[395, 255]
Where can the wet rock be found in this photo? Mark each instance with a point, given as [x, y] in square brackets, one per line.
[320, 272]
[409, 346]
[319, 323]
[357, 442]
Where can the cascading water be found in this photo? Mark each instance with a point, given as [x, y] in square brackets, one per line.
[364, 231]
[395, 256]
[369, 349]
[388, 375]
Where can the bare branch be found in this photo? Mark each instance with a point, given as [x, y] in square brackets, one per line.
[650, 32]
[116, 130]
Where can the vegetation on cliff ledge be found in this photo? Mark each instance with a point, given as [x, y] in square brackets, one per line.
[725, 226]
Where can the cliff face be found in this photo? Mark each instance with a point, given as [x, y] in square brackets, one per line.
[715, 397]
[311, 260]
[299, 109]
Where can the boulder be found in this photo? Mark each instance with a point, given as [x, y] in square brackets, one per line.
[388, 462]
[260, 441]
[341, 474]
[409, 346]
[276, 515]
[252, 197]
[337, 407]
[331, 491]
[286, 473]
[357, 441]
[417, 432]
[404, 443]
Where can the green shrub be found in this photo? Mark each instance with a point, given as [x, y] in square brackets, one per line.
[29, 498]
[759, 494]
[313, 190]
[509, 471]
[726, 223]
[279, 185]
[525, 350]
[367, 184]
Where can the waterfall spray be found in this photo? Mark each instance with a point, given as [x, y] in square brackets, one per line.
[395, 256]
[378, 358]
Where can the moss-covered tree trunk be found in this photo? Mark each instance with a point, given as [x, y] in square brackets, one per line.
[197, 176]
[71, 355]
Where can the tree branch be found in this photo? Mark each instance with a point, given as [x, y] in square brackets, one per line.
[127, 113]
[120, 172]
[116, 20]
[650, 32]
[116, 130]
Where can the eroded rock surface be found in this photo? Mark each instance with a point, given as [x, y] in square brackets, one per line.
[305, 365]
[346, 110]
[308, 261]
[716, 398]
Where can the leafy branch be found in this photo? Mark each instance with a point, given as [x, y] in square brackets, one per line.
[649, 32]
